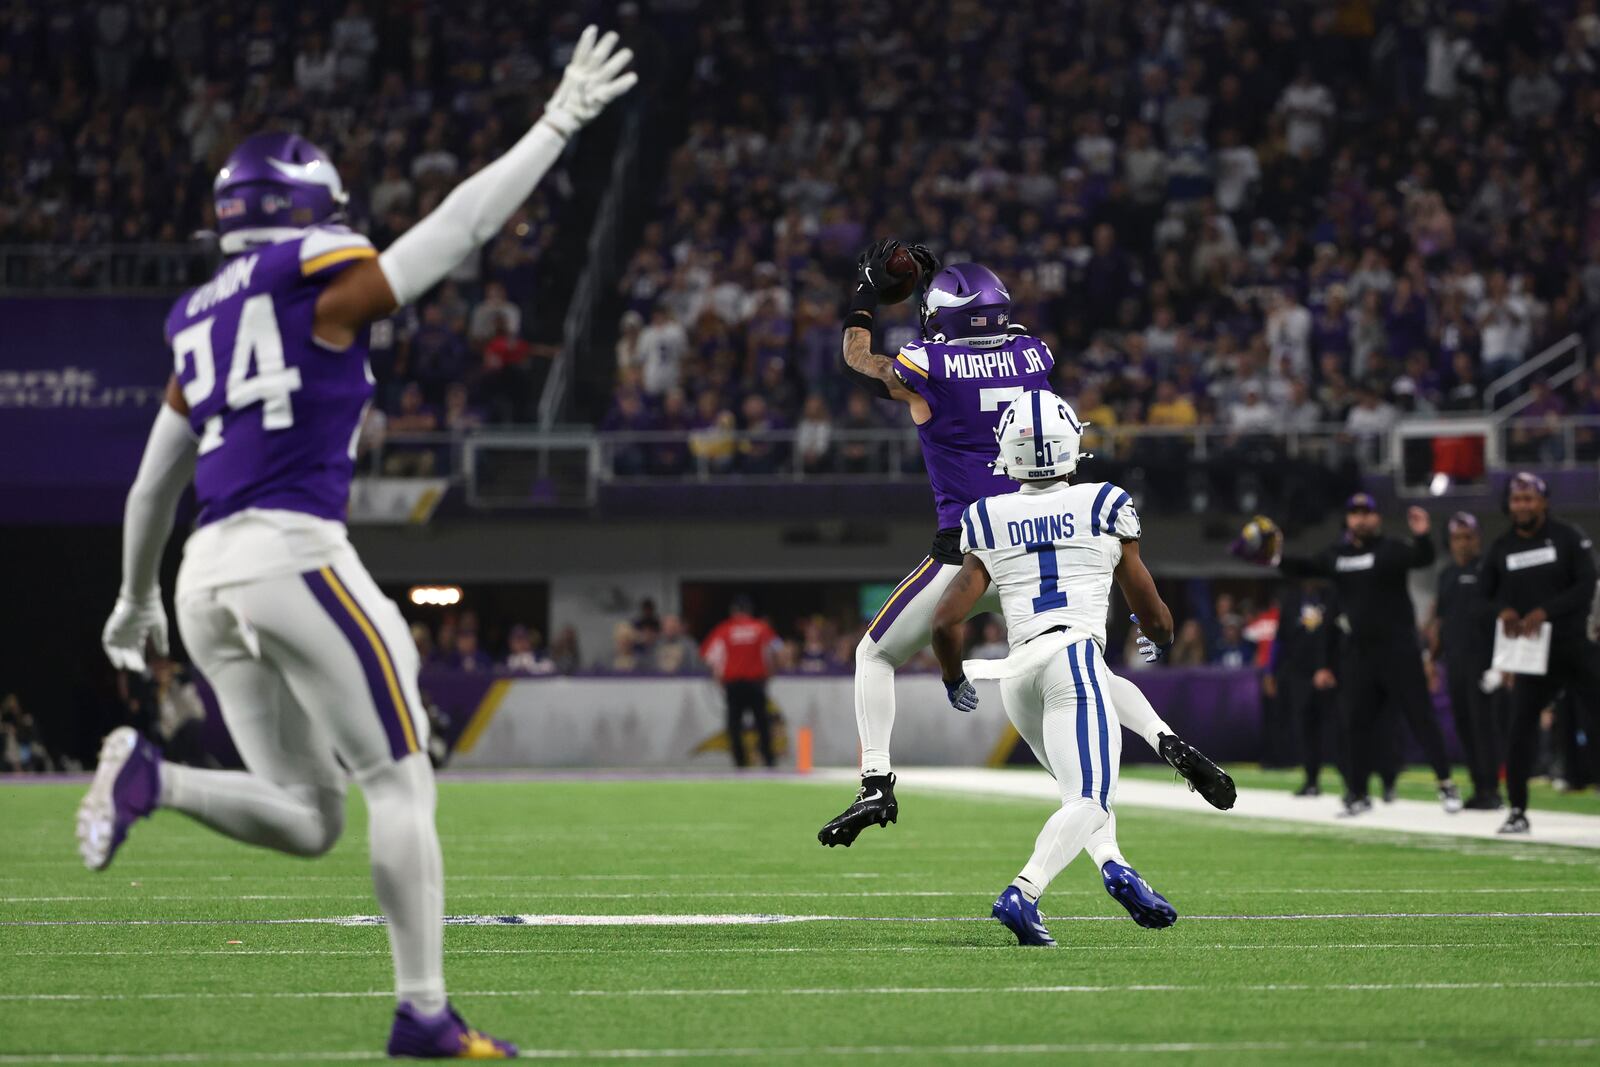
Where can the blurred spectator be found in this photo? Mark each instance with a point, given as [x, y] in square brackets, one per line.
[625, 658]
[465, 653]
[20, 747]
[525, 653]
[564, 651]
[1189, 647]
[180, 716]
[1232, 650]
[415, 460]
[675, 651]
[992, 643]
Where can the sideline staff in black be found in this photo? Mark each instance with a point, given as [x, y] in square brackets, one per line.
[1542, 571]
[1382, 661]
[1465, 636]
[1303, 659]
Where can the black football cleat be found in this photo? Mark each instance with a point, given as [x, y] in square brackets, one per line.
[1203, 776]
[874, 803]
[1516, 822]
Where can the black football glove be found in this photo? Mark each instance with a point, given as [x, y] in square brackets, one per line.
[872, 271]
[927, 262]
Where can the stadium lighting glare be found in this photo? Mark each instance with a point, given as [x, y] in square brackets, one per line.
[435, 596]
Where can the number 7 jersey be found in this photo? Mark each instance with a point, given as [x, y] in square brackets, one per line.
[276, 411]
[1051, 553]
[967, 386]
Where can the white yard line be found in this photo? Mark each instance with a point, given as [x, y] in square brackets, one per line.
[827, 991]
[1405, 816]
[758, 919]
[382, 951]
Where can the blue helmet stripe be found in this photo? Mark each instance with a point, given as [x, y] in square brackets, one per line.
[1038, 432]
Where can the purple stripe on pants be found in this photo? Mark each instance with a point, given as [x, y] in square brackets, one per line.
[906, 593]
[382, 698]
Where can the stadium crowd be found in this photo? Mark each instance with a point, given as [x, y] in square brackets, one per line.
[1241, 215]
[407, 98]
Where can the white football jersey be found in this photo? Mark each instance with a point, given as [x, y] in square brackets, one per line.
[1050, 553]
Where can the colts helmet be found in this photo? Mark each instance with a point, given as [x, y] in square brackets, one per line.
[273, 186]
[1040, 438]
[963, 302]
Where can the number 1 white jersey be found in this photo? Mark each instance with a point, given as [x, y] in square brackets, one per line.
[1051, 553]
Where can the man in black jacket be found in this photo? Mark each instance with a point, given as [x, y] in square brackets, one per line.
[1381, 666]
[1464, 641]
[1542, 571]
[1303, 657]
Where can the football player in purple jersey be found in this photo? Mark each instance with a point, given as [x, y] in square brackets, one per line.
[313, 666]
[973, 361]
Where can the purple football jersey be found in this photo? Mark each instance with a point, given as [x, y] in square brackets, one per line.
[276, 412]
[967, 387]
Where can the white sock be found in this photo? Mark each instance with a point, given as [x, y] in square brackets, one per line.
[303, 820]
[874, 707]
[1030, 892]
[408, 876]
[1102, 844]
[1062, 838]
[1136, 713]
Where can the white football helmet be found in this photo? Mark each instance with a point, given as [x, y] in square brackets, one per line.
[1040, 437]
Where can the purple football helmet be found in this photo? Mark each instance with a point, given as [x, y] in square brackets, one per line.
[273, 186]
[965, 300]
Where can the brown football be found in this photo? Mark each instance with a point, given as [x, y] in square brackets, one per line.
[903, 272]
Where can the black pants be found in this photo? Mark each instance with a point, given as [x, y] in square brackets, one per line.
[748, 697]
[1314, 715]
[1574, 666]
[1475, 725]
[1385, 676]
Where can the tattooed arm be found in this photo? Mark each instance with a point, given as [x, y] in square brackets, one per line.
[870, 370]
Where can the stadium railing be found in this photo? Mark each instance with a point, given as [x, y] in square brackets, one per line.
[521, 467]
[131, 268]
[1556, 366]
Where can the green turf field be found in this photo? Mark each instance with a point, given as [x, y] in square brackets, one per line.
[1385, 950]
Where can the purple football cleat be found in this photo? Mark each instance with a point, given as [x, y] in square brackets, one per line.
[126, 787]
[445, 1036]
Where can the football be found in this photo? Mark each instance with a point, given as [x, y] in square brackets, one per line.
[903, 277]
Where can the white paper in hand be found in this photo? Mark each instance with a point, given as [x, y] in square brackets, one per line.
[1522, 655]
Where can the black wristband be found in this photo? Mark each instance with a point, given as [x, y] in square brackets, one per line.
[858, 320]
[865, 298]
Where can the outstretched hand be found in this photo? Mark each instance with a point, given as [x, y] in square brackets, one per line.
[595, 76]
[962, 694]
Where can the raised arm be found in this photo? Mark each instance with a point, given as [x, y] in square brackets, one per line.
[165, 470]
[872, 371]
[474, 212]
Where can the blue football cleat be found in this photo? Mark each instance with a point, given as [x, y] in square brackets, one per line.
[1021, 916]
[1148, 908]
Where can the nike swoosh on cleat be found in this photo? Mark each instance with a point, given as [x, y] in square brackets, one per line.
[877, 795]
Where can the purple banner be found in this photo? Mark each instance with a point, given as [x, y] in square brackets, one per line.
[81, 379]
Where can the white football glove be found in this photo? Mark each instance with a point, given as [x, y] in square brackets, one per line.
[963, 695]
[594, 77]
[132, 622]
[1148, 648]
